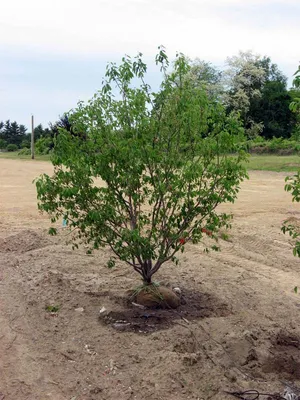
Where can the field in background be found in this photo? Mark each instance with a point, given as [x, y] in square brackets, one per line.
[263, 162]
[13, 155]
[268, 162]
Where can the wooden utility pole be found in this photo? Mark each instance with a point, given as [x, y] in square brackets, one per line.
[32, 137]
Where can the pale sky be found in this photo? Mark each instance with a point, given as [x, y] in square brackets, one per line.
[54, 53]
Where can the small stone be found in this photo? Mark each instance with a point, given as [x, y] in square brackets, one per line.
[177, 290]
[79, 309]
[103, 313]
[121, 327]
[138, 305]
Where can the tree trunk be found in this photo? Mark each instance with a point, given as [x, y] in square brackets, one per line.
[146, 269]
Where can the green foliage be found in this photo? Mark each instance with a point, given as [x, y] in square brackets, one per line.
[272, 72]
[25, 144]
[295, 104]
[257, 89]
[12, 133]
[273, 110]
[38, 132]
[272, 162]
[225, 236]
[12, 147]
[244, 79]
[293, 186]
[24, 152]
[204, 74]
[43, 145]
[52, 309]
[278, 146]
[3, 144]
[293, 182]
[150, 170]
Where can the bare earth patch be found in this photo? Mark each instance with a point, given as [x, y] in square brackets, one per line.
[236, 328]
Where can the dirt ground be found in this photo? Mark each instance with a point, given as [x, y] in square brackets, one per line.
[237, 329]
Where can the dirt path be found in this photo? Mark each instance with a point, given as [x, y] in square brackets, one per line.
[242, 330]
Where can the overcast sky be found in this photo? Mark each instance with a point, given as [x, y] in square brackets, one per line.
[54, 53]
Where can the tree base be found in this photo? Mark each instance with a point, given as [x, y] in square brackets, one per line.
[157, 297]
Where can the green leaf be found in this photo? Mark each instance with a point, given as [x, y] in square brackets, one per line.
[52, 231]
[296, 289]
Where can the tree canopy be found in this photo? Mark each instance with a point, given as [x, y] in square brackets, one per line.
[164, 161]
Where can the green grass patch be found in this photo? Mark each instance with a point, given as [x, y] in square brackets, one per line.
[267, 162]
[261, 162]
[52, 309]
[13, 155]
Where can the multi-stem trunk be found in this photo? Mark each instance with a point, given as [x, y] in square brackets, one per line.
[147, 272]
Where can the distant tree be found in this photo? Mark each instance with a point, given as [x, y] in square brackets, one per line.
[273, 110]
[22, 129]
[3, 144]
[244, 79]
[43, 145]
[258, 90]
[273, 107]
[12, 147]
[64, 124]
[203, 73]
[15, 134]
[25, 144]
[2, 136]
[272, 72]
[295, 104]
[294, 93]
[38, 132]
[6, 130]
[12, 133]
[47, 132]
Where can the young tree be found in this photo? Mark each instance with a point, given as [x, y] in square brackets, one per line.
[164, 159]
[293, 182]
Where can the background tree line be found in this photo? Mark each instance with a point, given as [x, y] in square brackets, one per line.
[250, 85]
[14, 136]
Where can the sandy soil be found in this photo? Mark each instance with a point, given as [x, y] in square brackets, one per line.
[239, 328]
